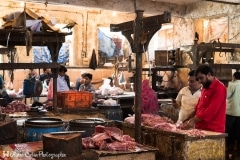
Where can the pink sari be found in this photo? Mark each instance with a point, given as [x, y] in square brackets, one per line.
[149, 98]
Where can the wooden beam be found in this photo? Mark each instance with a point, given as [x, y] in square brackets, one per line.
[147, 23]
[12, 66]
[224, 2]
[217, 45]
[16, 37]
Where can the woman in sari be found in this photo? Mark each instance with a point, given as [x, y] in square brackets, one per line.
[149, 99]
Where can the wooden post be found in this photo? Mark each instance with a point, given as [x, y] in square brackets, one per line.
[54, 49]
[138, 75]
[146, 28]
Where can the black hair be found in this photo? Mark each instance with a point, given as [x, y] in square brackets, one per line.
[89, 75]
[204, 69]
[236, 75]
[62, 69]
[192, 73]
[83, 75]
[111, 79]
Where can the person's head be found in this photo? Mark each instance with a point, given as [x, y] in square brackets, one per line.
[46, 70]
[88, 78]
[62, 70]
[236, 75]
[82, 80]
[111, 81]
[205, 75]
[32, 71]
[193, 81]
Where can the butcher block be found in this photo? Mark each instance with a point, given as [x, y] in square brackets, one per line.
[34, 151]
[8, 132]
[178, 146]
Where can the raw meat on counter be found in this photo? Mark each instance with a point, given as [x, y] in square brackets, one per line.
[150, 120]
[15, 106]
[164, 123]
[109, 139]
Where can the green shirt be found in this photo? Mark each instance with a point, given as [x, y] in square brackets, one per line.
[233, 98]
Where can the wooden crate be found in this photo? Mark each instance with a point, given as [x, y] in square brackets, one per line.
[161, 58]
[8, 132]
[180, 146]
[64, 143]
[74, 99]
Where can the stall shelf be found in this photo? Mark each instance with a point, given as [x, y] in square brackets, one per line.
[23, 37]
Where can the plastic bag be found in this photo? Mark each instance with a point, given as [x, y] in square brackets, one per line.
[50, 90]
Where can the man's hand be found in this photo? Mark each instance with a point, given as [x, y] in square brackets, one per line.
[192, 121]
[175, 104]
[189, 123]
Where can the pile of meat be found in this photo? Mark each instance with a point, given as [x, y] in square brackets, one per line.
[15, 106]
[163, 123]
[109, 139]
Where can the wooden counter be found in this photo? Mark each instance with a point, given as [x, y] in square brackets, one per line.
[177, 146]
[34, 150]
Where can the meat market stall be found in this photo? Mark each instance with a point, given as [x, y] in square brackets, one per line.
[16, 32]
[179, 144]
[16, 37]
[107, 143]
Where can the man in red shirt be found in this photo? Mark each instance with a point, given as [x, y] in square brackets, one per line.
[211, 107]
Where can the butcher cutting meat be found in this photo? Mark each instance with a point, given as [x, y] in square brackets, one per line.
[211, 108]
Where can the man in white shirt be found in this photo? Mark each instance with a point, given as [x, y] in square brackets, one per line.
[62, 84]
[187, 97]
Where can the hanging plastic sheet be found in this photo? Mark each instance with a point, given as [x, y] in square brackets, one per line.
[42, 54]
[63, 56]
[106, 44]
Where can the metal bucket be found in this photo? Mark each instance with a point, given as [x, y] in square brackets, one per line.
[34, 128]
[112, 112]
[87, 125]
